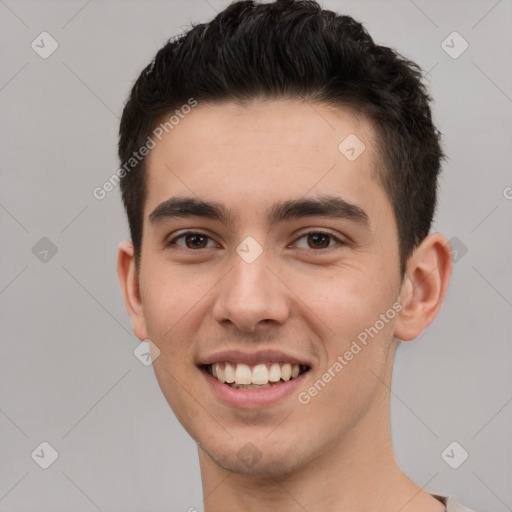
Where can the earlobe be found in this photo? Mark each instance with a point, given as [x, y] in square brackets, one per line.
[126, 270]
[425, 285]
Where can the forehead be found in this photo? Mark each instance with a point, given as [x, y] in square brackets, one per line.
[249, 156]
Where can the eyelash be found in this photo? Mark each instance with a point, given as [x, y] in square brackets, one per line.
[315, 232]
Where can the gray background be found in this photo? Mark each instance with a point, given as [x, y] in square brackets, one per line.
[68, 373]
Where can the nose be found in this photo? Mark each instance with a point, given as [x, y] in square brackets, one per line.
[251, 295]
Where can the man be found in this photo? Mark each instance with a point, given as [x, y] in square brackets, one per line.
[279, 173]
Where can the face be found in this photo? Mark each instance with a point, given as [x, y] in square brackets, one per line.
[287, 279]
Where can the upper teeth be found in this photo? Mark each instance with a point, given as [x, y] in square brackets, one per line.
[259, 374]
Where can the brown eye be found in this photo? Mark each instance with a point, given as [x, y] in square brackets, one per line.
[195, 241]
[318, 240]
[192, 240]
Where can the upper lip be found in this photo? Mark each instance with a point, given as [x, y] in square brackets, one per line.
[251, 358]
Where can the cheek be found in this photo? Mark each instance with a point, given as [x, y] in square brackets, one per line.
[345, 387]
[168, 294]
[345, 300]
[170, 303]
[355, 318]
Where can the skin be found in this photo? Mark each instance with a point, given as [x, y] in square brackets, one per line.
[307, 301]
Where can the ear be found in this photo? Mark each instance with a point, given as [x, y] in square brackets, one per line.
[126, 270]
[424, 288]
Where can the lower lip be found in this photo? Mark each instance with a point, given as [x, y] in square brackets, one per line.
[253, 398]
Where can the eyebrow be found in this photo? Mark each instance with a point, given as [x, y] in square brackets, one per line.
[321, 206]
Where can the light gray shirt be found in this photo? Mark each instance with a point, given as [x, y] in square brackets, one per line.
[452, 505]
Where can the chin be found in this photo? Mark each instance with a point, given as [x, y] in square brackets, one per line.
[259, 460]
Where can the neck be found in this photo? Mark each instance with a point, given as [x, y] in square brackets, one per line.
[357, 473]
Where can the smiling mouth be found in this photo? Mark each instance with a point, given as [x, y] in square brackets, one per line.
[258, 376]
